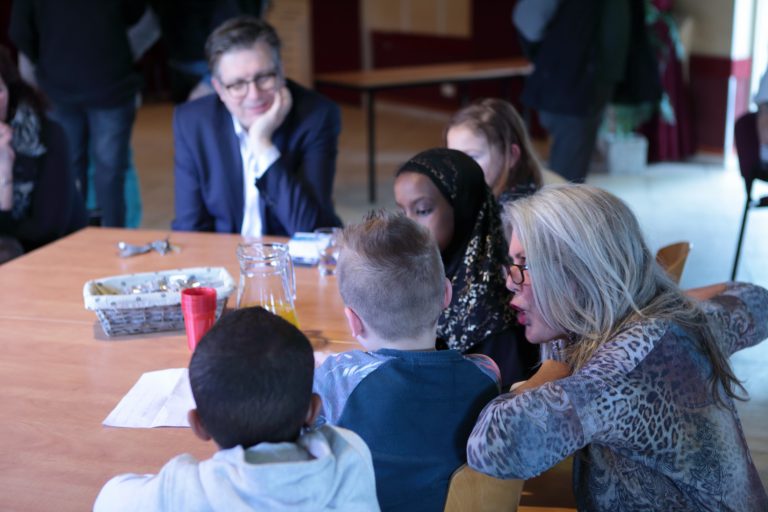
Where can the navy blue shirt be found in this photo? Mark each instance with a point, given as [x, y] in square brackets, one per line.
[415, 410]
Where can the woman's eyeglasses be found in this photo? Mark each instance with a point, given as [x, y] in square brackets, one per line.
[515, 272]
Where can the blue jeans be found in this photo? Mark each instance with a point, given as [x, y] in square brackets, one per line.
[105, 135]
[574, 137]
[573, 141]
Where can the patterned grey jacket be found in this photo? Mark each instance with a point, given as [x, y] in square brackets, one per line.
[640, 419]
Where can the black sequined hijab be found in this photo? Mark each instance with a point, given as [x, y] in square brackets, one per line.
[473, 259]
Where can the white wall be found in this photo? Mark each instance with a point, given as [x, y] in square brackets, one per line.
[743, 27]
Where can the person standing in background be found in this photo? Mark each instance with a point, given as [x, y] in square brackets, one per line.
[84, 65]
[185, 26]
[582, 51]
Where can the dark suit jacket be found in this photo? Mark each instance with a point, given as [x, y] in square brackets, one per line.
[295, 192]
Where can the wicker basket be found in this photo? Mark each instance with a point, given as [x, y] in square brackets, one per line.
[137, 313]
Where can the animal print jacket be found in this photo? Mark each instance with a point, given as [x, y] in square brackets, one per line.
[640, 419]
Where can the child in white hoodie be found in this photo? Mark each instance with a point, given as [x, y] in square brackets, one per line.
[251, 378]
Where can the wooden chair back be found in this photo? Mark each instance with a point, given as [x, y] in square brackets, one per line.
[471, 491]
[672, 258]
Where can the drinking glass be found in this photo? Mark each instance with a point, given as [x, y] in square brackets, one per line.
[328, 247]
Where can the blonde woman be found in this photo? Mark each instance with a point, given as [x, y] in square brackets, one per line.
[647, 405]
[492, 132]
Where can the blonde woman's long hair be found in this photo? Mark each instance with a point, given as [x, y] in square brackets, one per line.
[592, 274]
[502, 126]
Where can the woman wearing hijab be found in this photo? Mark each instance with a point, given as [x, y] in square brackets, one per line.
[444, 190]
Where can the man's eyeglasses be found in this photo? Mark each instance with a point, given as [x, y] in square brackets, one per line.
[264, 82]
[515, 272]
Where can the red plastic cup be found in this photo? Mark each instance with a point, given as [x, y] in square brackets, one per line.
[199, 308]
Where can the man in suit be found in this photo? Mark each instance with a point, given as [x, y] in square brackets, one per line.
[259, 156]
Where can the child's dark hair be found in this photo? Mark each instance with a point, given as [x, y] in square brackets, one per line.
[251, 377]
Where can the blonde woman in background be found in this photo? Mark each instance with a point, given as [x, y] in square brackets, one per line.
[493, 133]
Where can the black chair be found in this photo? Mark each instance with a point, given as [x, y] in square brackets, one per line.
[748, 150]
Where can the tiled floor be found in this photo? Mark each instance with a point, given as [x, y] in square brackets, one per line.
[699, 202]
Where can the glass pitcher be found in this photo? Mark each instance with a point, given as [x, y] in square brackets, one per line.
[267, 278]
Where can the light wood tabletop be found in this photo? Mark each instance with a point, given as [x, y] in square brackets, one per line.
[60, 375]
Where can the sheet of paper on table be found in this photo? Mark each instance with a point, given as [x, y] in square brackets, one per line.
[158, 399]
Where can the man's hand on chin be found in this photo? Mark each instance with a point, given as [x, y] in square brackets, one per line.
[260, 132]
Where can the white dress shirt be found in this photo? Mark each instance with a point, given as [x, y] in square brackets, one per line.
[254, 167]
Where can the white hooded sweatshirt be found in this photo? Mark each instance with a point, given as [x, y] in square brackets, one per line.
[326, 469]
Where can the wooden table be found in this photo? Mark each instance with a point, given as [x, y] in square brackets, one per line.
[371, 81]
[60, 375]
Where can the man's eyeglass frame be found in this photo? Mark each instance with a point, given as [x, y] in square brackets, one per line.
[264, 82]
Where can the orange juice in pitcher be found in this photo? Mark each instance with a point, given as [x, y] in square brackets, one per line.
[286, 313]
[266, 279]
